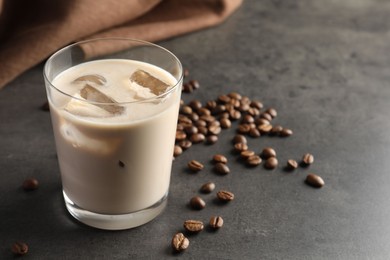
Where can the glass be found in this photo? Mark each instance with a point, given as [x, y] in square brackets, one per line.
[115, 154]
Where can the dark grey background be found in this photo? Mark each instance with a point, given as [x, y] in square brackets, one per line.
[324, 65]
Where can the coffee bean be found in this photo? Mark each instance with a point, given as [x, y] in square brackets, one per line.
[207, 187]
[268, 152]
[177, 151]
[314, 180]
[253, 160]
[187, 88]
[186, 73]
[246, 154]
[221, 168]
[183, 119]
[285, 132]
[219, 158]
[121, 164]
[272, 112]
[239, 147]
[216, 222]
[30, 184]
[225, 123]
[204, 112]
[308, 159]
[215, 129]
[244, 107]
[275, 130]
[190, 130]
[239, 139]
[243, 128]
[235, 95]
[195, 166]
[218, 109]
[271, 163]
[186, 110]
[224, 99]
[256, 104]
[265, 129]
[234, 114]
[248, 119]
[211, 104]
[261, 121]
[193, 225]
[225, 195]
[181, 102]
[194, 83]
[195, 104]
[211, 139]
[19, 248]
[253, 111]
[208, 118]
[185, 144]
[224, 115]
[197, 138]
[266, 116]
[200, 122]
[45, 106]
[197, 203]
[180, 135]
[292, 164]
[254, 132]
[180, 242]
[202, 130]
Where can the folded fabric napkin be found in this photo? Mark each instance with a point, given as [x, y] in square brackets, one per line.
[32, 30]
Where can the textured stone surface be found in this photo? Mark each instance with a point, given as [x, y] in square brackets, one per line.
[322, 64]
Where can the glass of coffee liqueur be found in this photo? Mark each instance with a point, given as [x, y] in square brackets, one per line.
[114, 105]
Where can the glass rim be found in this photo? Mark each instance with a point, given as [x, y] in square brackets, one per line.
[151, 99]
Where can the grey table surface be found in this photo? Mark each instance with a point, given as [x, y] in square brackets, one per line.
[324, 65]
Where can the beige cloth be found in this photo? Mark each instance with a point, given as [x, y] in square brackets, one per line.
[32, 30]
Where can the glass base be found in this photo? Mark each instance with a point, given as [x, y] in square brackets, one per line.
[115, 222]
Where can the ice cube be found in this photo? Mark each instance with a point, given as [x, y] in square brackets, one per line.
[93, 78]
[83, 108]
[144, 79]
[92, 94]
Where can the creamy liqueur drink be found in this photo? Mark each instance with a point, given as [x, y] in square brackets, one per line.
[114, 123]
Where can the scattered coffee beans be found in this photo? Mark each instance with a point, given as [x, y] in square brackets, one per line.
[225, 123]
[211, 139]
[193, 225]
[221, 168]
[272, 112]
[197, 203]
[219, 158]
[195, 166]
[176, 151]
[197, 138]
[30, 184]
[253, 160]
[180, 242]
[207, 187]
[239, 139]
[308, 159]
[185, 144]
[285, 132]
[275, 130]
[224, 195]
[246, 154]
[292, 164]
[216, 222]
[314, 180]
[19, 248]
[268, 152]
[271, 163]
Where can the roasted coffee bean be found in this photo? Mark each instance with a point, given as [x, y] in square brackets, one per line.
[197, 138]
[19, 248]
[211, 139]
[244, 107]
[194, 117]
[218, 109]
[203, 111]
[221, 168]
[193, 225]
[285, 132]
[186, 110]
[225, 195]
[216, 222]
[190, 130]
[272, 112]
[256, 104]
[121, 164]
[253, 111]
[243, 128]
[224, 115]
[179, 127]
[203, 130]
[180, 242]
[187, 88]
[239, 139]
[245, 100]
[234, 114]
[247, 119]
[197, 203]
[180, 135]
[253, 160]
[214, 129]
[183, 119]
[268, 152]
[176, 151]
[314, 180]
[220, 158]
[194, 83]
[271, 163]
[211, 104]
[292, 164]
[308, 159]
[275, 130]
[208, 118]
[235, 95]
[224, 99]
[266, 116]
[246, 154]
[195, 166]
[200, 122]
[181, 102]
[265, 129]
[195, 104]
[207, 187]
[261, 121]
[186, 73]
[254, 132]
[30, 184]
[185, 144]
[239, 147]
[45, 106]
[225, 123]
